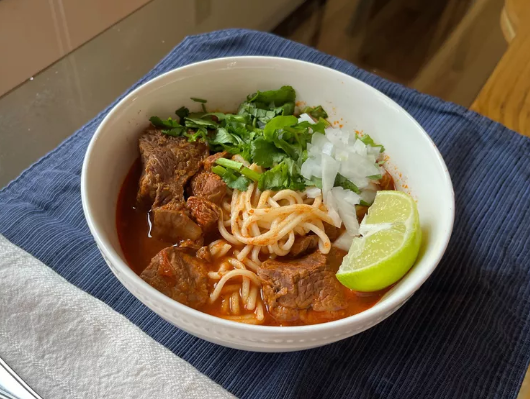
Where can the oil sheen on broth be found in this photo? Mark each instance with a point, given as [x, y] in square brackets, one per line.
[139, 247]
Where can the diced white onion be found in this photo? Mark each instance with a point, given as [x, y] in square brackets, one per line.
[330, 168]
[312, 167]
[339, 151]
[306, 118]
[360, 148]
[344, 241]
[332, 209]
[345, 201]
[368, 196]
[337, 137]
[313, 192]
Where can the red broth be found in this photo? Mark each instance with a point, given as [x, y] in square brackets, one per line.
[139, 247]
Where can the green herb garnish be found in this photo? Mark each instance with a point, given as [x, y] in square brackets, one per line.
[182, 113]
[232, 180]
[264, 131]
[316, 112]
[366, 139]
[341, 181]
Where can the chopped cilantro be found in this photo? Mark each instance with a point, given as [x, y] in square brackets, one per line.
[265, 154]
[263, 131]
[231, 178]
[284, 94]
[169, 126]
[341, 181]
[182, 113]
[366, 139]
[316, 112]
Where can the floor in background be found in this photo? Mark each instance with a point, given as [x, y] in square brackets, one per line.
[443, 47]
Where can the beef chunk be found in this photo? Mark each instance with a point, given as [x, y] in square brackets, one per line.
[304, 245]
[204, 212]
[168, 163]
[331, 231]
[171, 223]
[208, 185]
[209, 162]
[334, 259]
[291, 289]
[178, 275]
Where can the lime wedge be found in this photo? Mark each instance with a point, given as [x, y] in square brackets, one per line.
[389, 245]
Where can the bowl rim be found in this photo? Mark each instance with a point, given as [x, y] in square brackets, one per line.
[378, 311]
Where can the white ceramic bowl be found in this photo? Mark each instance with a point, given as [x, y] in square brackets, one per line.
[415, 163]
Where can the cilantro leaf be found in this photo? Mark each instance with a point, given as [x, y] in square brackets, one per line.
[169, 126]
[284, 94]
[315, 181]
[199, 134]
[231, 178]
[161, 123]
[341, 181]
[223, 137]
[316, 112]
[366, 139]
[282, 176]
[261, 115]
[288, 135]
[278, 122]
[265, 105]
[265, 154]
[275, 179]
[182, 113]
[198, 122]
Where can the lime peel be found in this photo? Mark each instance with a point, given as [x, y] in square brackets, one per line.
[389, 245]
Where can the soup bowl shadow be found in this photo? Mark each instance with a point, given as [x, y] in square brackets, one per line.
[413, 161]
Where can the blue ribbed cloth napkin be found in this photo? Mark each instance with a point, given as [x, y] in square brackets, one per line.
[464, 334]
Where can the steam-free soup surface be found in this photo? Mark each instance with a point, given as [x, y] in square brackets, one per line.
[139, 247]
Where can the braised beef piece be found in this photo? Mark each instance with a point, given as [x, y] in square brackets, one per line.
[171, 223]
[291, 289]
[209, 162]
[178, 275]
[303, 245]
[167, 165]
[204, 212]
[331, 231]
[334, 259]
[208, 185]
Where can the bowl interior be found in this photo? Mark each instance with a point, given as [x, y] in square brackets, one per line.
[413, 159]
